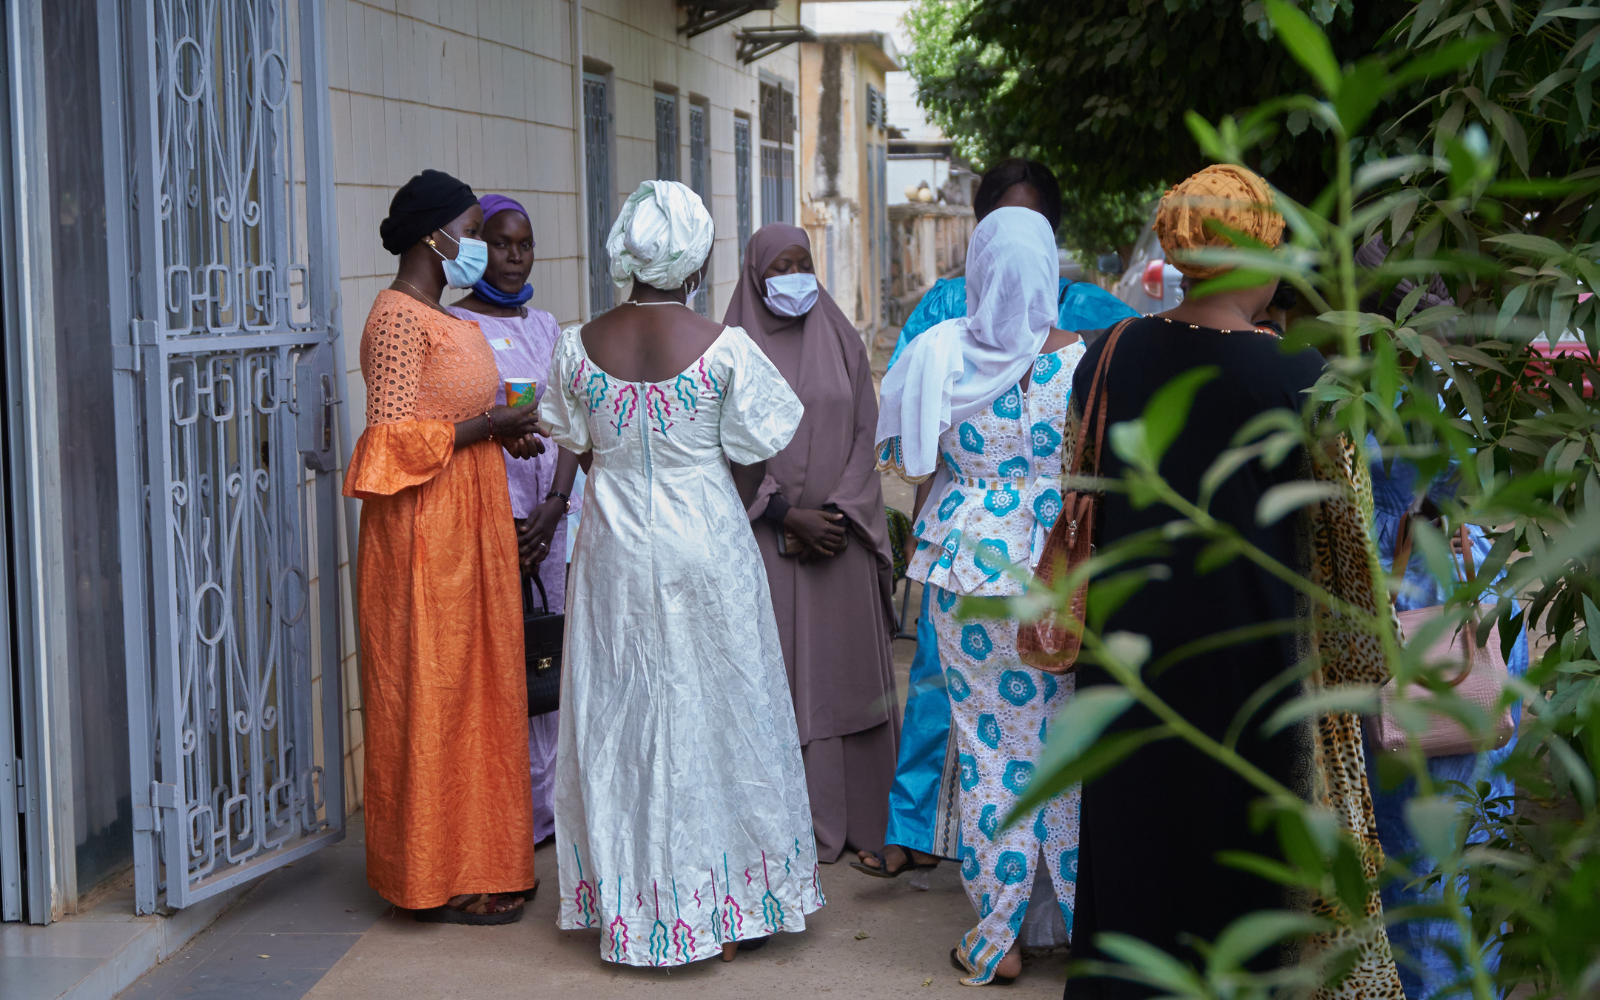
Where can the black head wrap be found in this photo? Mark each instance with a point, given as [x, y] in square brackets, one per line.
[427, 201]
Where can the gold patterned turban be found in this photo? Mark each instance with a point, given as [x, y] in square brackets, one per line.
[1234, 196]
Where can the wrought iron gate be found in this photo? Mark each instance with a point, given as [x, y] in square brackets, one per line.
[597, 182]
[235, 370]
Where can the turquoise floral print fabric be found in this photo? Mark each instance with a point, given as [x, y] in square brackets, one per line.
[1000, 719]
[1002, 487]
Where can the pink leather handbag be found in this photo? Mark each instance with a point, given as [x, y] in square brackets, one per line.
[1481, 680]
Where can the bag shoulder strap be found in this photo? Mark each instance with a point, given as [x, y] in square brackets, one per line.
[544, 599]
[1097, 393]
[1402, 550]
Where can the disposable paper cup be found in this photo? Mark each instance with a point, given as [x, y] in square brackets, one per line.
[521, 391]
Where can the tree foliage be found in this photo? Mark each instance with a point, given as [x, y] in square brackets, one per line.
[1463, 393]
[1097, 88]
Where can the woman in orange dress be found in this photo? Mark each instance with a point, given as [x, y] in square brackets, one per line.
[449, 820]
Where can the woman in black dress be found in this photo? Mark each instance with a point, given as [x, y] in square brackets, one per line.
[1153, 825]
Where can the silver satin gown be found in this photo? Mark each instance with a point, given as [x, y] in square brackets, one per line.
[682, 819]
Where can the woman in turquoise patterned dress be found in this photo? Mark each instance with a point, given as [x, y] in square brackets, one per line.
[978, 407]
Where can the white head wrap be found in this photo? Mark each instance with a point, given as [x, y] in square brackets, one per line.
[661, 237]
[960, 366]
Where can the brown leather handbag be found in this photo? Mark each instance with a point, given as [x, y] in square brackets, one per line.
[1051, 642]
[1482, 677]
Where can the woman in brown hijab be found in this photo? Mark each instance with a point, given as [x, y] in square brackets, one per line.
[819, 520]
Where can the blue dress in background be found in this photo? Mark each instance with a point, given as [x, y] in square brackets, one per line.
[1085, 306]
[1426, 970]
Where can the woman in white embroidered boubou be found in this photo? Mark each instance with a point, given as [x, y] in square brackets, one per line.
[683, 827]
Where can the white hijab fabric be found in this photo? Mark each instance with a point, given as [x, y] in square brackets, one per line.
[958, 367]
[661, 237]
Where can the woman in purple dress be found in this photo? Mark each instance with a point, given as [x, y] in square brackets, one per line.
[541, 489]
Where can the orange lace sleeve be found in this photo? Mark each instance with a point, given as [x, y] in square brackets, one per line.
[396, 450]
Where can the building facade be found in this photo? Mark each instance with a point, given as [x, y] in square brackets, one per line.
[843, 183]
[188, 251]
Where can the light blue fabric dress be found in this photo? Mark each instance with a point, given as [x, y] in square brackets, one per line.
[1085, 306]
[923, 814]
[1422, 946]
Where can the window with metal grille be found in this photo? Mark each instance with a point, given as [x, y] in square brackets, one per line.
[597, 180]
[872, 106]
[777, 153]
[741, 180]
[666, 137]
[699, 182]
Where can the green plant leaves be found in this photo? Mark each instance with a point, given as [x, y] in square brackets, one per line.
[1307, 44]
[1285, 498]
[1253, 933]
[1436, 823]
[1091, 763]
[1168, 410]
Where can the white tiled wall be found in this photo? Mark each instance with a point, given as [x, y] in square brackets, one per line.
[483, 89]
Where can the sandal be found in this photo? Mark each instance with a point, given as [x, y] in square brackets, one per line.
[478, 910]
[748, 944]
[961, 967]
[882, 871]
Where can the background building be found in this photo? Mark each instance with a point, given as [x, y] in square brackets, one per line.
[843, 184]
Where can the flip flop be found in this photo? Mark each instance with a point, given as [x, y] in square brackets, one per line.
[883, 870]
[448, 914]
[961, 967]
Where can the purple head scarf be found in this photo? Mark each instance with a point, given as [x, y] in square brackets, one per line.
[492, 203]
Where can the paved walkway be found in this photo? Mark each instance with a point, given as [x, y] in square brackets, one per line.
[316, 930]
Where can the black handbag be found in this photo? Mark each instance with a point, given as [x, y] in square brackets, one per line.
[543, 635]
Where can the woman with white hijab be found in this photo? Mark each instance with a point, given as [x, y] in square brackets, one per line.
[975, 411]
[683, 828]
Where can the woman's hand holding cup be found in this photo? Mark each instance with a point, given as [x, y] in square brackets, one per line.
[518, 430]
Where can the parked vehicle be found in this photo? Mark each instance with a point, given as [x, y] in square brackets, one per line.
[1149, 284]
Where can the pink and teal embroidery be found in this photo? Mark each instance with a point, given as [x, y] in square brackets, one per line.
[682, 933]
[626, 404]
[688, 392]
[707, 379]
[658, 408]
[732, 916]
[716, 925]
[594, 393]
[583, 898]
[619, 930]
[658, 931]
[771, 909]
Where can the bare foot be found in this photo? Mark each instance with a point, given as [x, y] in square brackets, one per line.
[897, 858]
[729, 950]
[1011, 965]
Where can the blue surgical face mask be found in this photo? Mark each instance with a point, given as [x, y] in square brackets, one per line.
[792, 294]
[495, 296]
[472, 256]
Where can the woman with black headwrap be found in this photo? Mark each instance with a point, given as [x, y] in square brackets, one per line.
[448, 812]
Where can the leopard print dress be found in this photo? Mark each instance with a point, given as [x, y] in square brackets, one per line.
[1341, 559]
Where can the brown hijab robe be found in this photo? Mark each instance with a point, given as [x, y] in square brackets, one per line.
[836, 615]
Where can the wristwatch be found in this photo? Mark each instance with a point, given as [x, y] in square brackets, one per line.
[565, 500]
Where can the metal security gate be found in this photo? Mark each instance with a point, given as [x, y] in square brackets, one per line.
[597, 182]
[741, 181]
[699, 178]
[227, 403]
